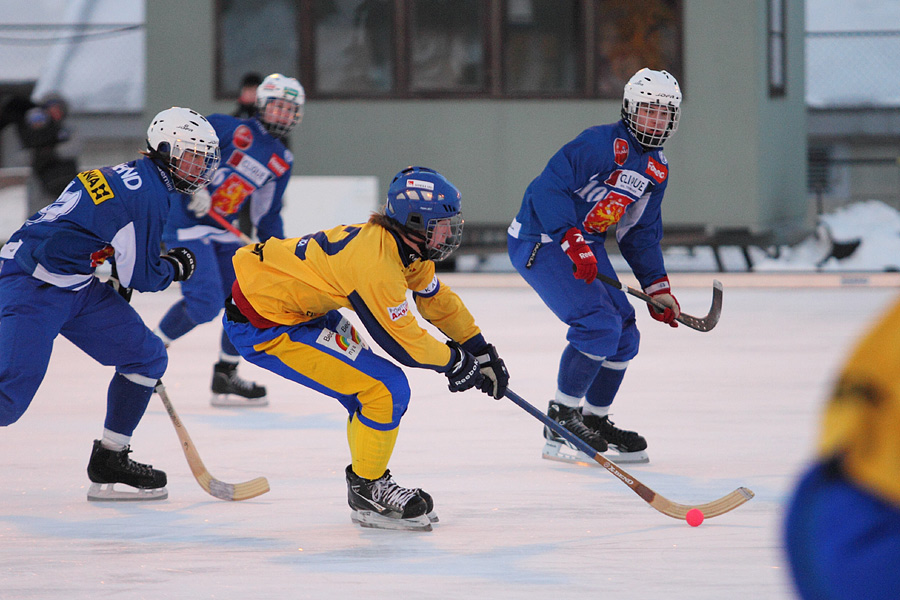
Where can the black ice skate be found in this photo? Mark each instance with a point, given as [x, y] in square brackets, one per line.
[382, 504]
[628, 446]
[109, 467]
[556, 446]
[230, 390]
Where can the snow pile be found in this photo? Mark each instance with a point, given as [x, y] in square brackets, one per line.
[864, 236]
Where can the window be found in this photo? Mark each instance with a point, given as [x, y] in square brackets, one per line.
[255, 35]
[541, 47]
[448, 48]
[633, 35]
[777, 51]
[354, 53]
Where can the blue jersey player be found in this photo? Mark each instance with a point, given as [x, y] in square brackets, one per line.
[256, 167]
[48, 288]
[610, 175]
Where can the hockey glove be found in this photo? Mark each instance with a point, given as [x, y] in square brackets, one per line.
[661, 291]
[465, 373]
[578, 251]
[200, 203]
[496, 378]
[182, 261]
[115, 284]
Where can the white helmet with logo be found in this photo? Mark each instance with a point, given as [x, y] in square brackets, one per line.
[184, 141]
[286, 96]
[658, 93]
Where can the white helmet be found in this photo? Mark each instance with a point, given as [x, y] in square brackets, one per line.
[285, 114]
[657, 91]
[187, 145]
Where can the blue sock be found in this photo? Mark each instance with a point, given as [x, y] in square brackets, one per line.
[576, 372]
[604, 387]
[126, 402]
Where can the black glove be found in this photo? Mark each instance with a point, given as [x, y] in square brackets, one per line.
[496, 377]
[115, 284]
[183, 261]
[465, 373]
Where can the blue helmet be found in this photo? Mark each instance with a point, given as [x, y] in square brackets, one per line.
[423, 201]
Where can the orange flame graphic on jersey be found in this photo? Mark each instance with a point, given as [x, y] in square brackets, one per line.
[228, 197]
[99, 257]
[606, 212]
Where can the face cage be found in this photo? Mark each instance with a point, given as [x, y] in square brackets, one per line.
[651, 140]
[194, 166]
[450, 229]
[281, 129]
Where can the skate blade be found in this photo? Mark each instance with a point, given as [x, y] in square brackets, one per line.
[107, 492]
[232, 401]
[432, 516]
[564, 453]
[372, 520]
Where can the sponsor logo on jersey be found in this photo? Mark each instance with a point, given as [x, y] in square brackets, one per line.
[398, 312]
[99, 257]
[432, 287]
[129, 175]
[656, 170]
[277, 166]
[243, 137]
[347, 330]
[628, 181]
[422, 185]
[606, 212]
[339, 343]
[620, 151]
[662, 158]
[96, 185]
[249, 167]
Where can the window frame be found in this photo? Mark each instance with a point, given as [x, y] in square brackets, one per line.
[493, 40]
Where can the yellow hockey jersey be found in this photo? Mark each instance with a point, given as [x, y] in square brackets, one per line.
[862, 420]
[360, 267]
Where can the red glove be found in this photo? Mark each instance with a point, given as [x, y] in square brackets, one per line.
[583, 259]
[661, 291]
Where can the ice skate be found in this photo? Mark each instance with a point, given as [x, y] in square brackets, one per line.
[625, 446]
[382, 504]
[557, 448]
[229, 390]
[109, 468]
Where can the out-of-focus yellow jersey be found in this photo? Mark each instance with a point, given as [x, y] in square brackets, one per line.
[862, 421]
[359, 267]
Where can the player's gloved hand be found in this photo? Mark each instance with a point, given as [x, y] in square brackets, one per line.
[183, 261]
[661, 291]
[496, 377]
[465, 373]
[200, 203]
[581, 255]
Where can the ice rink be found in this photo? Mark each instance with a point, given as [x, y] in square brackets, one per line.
[737, 406]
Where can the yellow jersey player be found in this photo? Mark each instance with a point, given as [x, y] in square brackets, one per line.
[843, 525]
[283, 315]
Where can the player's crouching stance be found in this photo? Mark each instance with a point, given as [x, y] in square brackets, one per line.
[284, 316]
[48, 288]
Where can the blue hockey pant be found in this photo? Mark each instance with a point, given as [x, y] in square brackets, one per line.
[98, 321]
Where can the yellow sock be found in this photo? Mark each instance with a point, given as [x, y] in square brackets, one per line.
[370, 449]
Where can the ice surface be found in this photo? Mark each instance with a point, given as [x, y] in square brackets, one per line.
[736, 406]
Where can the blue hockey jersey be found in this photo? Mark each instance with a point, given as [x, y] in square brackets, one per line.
[255, 166]
[600, 179]
[114, 212]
